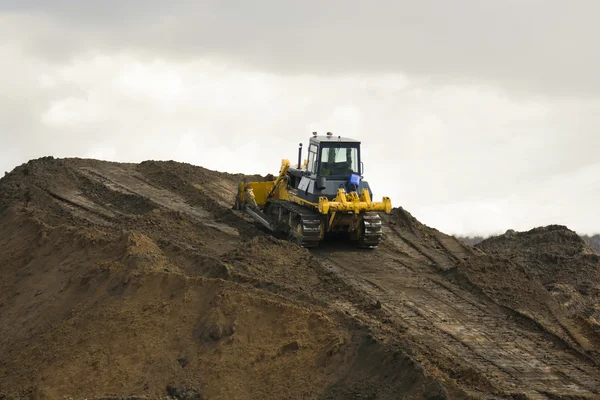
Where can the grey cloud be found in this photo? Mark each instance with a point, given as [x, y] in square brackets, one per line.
[529, 45]
[450, 153]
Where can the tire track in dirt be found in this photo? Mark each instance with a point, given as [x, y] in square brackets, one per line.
[120, 178]
[453, 324]
[128, 183]
[84, 208]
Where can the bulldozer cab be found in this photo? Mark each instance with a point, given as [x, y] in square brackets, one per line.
[333, 158]
[333, 163]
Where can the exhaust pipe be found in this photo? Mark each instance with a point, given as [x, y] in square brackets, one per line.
[300, 156]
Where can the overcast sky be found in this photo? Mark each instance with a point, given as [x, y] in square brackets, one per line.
[476, 116]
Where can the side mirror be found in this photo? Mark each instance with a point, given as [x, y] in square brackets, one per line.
[321, 183]
[362, 168]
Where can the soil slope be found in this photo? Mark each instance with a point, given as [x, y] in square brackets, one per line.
[561, 261]
[139, 281]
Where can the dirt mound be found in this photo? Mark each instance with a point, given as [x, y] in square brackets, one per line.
[140, 281]
[501, 279]
[529, 272]
[125, 280]
[560, 261]
[551, 254]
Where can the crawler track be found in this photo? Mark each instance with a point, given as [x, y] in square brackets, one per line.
[372, 230]
[304, 226]
[301, 225]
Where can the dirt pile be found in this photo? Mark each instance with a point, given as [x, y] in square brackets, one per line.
[592, 241]
[138, 280]
[560, 261]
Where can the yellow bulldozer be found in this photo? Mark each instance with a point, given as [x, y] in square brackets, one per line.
[323, 196]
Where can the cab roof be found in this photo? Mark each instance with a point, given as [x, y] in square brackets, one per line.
[332, 139]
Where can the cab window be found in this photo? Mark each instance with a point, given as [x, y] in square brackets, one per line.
[312, 159]
[339, 161]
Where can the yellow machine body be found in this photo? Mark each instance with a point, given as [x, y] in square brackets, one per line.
[344, 212]
[257, 193]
